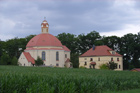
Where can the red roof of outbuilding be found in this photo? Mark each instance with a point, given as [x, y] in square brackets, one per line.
[136, 69]
[68, 60]
[29, 57]
[100, 51]
[44, 39]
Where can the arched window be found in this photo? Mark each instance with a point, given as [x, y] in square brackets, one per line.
[43, 55]
[57, 56]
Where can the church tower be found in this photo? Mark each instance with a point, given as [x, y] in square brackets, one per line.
[45, 27]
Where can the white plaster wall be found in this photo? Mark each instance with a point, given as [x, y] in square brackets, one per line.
[22, 60]
[68, 55]
[103, 60]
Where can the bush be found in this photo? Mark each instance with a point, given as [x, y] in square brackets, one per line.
[104, 66]
[39, 61]
[82, 67]
[112, 65]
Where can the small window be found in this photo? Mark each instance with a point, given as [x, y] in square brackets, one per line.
[65, 55]
[91, 59]
[117, 59]
[119, 66]
[98, 59]
[85, 58]
[57, 65]
[113, 52]
[85, 63]
[111, 59]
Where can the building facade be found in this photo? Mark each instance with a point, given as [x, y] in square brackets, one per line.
[99, 55]
[47, 47]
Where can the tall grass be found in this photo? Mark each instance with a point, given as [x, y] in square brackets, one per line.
[61, 80]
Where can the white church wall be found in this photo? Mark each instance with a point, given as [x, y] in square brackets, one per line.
[68, 55]
[23, 61]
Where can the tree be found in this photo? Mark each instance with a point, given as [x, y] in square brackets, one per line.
[85, 42]
[14, 61]
[112, 65]
[113, 42]
[5, 59]
[39, 61]
[75, 60]
[130, 50]
[69, 40]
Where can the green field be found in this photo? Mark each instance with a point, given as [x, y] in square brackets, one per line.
[62, 80]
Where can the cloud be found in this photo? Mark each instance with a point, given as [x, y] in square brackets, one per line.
[105, 16]
[128, 28]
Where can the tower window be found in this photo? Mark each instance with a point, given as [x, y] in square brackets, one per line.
[43, 55]
[57, 56]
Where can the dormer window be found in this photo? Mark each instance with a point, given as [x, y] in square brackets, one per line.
[113, 52]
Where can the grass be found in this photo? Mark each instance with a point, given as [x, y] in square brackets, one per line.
[15, 79]
[125, 91]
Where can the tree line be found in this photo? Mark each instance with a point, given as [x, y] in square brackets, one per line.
[127, 45]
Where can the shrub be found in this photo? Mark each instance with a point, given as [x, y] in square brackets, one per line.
[104, 66]
[112, 65]
[82, 67]
[39, 61]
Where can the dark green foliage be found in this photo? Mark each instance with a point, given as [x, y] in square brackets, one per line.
[62, 80]
[104, 66]
[39, 61]
[75, 60]
[69, 40]
[5, 59]
[127, 45]
[112, 65]
[14, 61]
[85, 42]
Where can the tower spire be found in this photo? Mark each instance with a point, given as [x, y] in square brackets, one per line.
[45, 26]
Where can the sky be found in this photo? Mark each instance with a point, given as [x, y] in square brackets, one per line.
[21, 18]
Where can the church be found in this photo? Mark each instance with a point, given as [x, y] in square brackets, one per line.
[48, 48]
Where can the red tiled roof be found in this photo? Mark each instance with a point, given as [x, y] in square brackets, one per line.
[65, 48]
[44, 39]
[100, 51]
[68, 60]
[136, 69]
[43, 49]
[29, 58]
